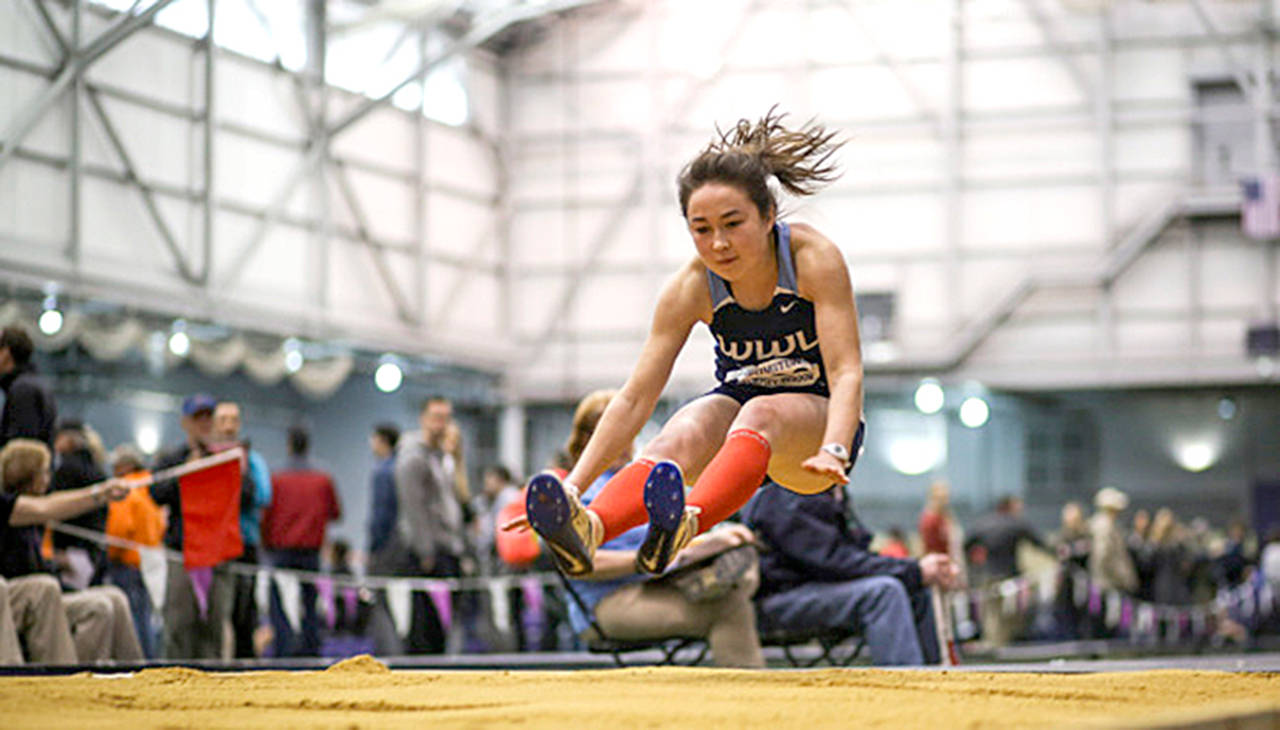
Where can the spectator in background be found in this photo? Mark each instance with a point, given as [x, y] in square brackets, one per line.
[816, 571]
[1229, 567]
[83, 561]
[303, 502]
[455, 460]
[138, 519]
[1110, 566]
[895, 544]
[1071, 546]
[429, 523]
[999, 534]
[630, 605]
[1171, 560]
[993, 547]
[191, 630]
[255, 495]
[29, 409]
[939, 530]
[383, 546]
[31, 612]
[382, 492]
[498, 489]
[99, 618]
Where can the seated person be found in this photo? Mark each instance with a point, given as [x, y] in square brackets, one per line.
[632, 606]
[816, 572]
[99, 619]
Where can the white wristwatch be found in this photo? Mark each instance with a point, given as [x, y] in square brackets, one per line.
[837, 450]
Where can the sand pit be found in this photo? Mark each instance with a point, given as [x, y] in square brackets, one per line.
[361, 692]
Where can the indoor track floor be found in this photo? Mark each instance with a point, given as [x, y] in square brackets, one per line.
[361, 692]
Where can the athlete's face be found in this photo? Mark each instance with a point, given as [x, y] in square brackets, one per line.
[731, 236]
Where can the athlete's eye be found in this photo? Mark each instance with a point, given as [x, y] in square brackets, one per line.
[702, 230]
[733, 224]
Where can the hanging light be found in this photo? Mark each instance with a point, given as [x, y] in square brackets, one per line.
[929, 396]
[974, 412]
[50, 322]
[179, 341]
[293, 358]
[388, 376]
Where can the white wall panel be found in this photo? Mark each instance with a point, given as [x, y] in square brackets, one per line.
[380, 138]
[458, 227]
[1031, 154]
[161, 150]
[1160, 149]
[158, 64]
[892, 224]
[1233, 272]
[251, 171]
[1160, 280]
[387, 205]
[356, 286]
[118, 229]
[33, 202]
[1149, 73]
[1032, 217]
[1009, 84]
[257, 97]
[459, 160]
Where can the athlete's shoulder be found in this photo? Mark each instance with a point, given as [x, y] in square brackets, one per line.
[819, 261]
[687, 290]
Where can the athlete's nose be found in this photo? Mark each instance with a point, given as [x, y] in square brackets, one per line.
[720, 242]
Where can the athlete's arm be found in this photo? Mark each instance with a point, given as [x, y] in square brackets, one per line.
[680, 305]
[823, 278]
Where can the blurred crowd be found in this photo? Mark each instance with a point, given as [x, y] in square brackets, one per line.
[106, 554]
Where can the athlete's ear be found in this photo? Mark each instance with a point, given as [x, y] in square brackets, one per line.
[772, 217]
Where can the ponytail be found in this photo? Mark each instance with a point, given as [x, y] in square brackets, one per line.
[750, 152]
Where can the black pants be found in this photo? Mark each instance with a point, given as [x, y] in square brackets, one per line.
[426, 632]
[244, 607]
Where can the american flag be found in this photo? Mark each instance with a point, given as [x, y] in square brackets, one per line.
[1260, 212]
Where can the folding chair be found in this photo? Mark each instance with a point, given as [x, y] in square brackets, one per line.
[673, 648]
[836, 648]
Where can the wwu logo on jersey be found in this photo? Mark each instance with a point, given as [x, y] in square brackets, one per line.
[782, 372]
[756, 349]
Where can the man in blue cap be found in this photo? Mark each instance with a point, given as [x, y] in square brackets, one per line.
[190, 633]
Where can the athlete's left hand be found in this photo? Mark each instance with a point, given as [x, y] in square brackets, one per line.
[827, 465]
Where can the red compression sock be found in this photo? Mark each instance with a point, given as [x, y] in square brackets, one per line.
[736, 472]
[620, 503]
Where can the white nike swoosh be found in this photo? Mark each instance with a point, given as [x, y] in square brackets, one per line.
[787, 307]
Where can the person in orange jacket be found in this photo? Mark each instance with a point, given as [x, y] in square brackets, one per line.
[136, 518]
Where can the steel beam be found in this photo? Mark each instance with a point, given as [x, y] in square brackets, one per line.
[477, 35]
[148, 200]
[1054, 44]
[29, 116]
[403, 310]
[882, 56]
[613, 220]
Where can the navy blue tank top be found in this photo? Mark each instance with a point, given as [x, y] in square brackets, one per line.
[773, 348]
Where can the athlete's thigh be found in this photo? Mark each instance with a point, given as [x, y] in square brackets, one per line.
[794, 424]
[694, 434]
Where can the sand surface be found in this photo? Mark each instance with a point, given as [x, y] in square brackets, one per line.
[361, 692]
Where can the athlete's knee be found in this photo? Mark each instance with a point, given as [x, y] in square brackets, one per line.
[762, 415]
[677, 444]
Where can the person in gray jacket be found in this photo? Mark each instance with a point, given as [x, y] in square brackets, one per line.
[429, 524]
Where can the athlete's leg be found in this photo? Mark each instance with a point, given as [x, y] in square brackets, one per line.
[689, 438]
[771, 434]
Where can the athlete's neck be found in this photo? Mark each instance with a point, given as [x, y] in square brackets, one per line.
[755, 290]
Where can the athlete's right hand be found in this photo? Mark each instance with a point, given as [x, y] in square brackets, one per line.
[827, 465]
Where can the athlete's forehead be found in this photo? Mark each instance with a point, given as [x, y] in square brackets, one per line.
[717, 201]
